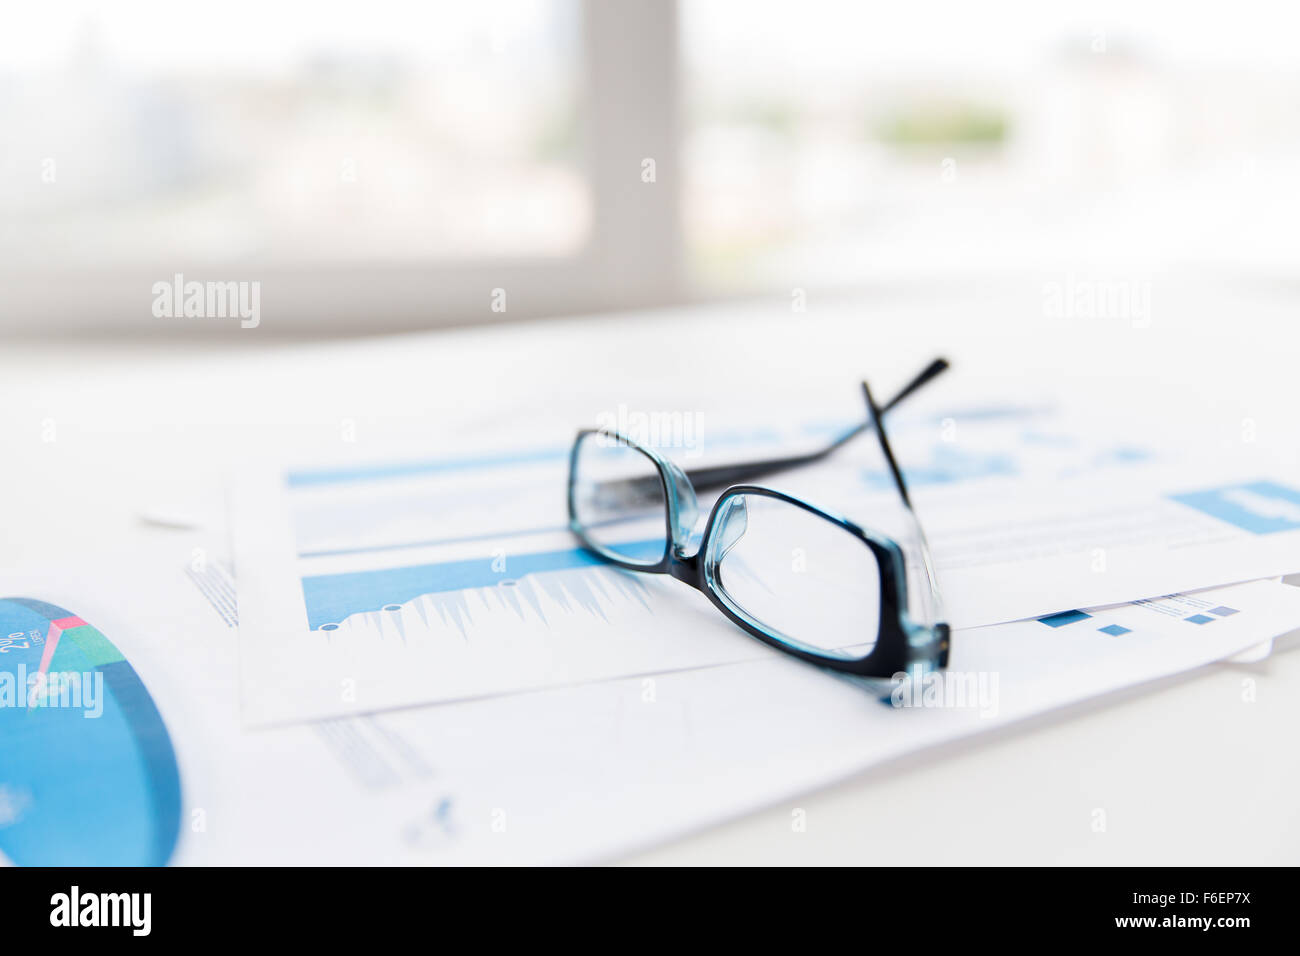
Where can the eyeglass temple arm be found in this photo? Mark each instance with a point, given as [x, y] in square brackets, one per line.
[876, 413]
[720, 476]
[927, 561]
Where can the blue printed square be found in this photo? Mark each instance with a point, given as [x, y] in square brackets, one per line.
[1114, 630]
[1223, 611]
[1260, 507]
[1064, 618]
[1199, 619]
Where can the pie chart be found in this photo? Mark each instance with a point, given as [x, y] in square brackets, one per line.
[88, 774]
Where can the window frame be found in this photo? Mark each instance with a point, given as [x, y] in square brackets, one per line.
[631, 257]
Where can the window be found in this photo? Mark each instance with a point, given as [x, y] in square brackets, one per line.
[373, 166]
[398, 165]
[246, 130]
[841, 144]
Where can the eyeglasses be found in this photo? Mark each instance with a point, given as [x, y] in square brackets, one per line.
[800, 579]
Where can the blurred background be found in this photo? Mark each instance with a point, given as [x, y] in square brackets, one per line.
[389, 166]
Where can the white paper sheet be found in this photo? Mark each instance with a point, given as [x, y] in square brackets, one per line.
[588, 772]
[409, 581]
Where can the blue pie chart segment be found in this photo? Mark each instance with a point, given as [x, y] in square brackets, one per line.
[88, 774]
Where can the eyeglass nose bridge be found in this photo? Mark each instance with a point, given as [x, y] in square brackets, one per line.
[683, 506]
[685, 554]
[691, 566]
[688, 568]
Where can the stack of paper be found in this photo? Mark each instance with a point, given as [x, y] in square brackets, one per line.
[431, 669]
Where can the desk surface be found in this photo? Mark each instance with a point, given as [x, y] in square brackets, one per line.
[1193, 770]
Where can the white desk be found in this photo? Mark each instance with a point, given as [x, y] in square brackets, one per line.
[1186, 772]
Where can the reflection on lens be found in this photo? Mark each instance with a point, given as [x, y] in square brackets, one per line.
[618, 500]
[812, 583]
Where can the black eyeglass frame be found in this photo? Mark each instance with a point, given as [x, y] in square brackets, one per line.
[901, 644]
